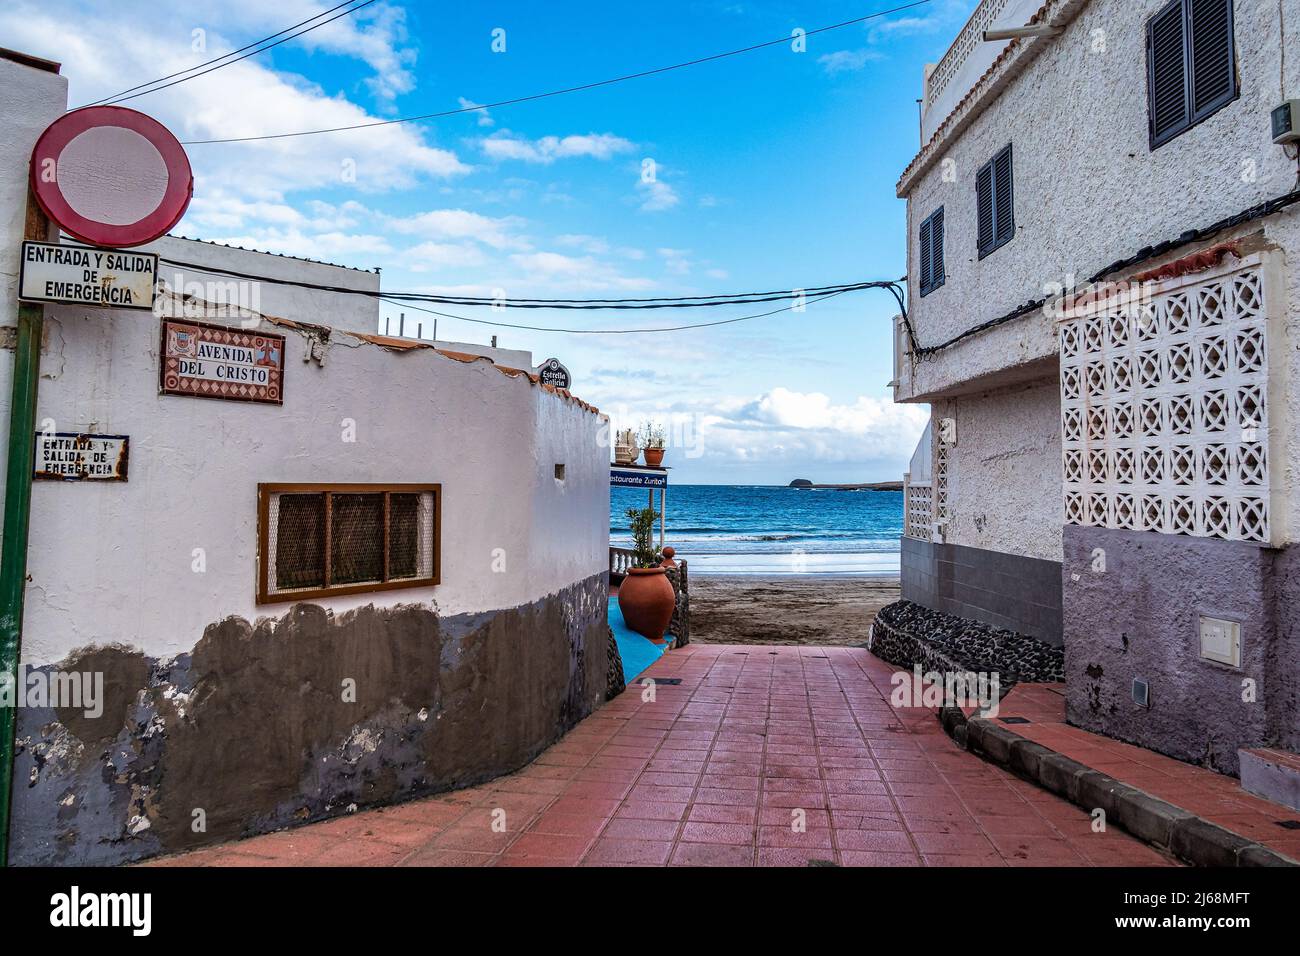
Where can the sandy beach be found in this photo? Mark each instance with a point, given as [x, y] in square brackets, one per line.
[811, 609]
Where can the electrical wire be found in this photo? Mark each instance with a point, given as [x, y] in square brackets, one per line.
[561, 92]
[676, 328]
[658, 302]
[411, 300]
[122, 97]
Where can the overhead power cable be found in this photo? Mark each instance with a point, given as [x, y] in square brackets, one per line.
[686, 302]
[658, 302]
[675, 328]
[123, 97]
[412, 300]
[561, 92]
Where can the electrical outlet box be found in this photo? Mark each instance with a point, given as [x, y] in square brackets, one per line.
[1286, 123]
[1221, 641]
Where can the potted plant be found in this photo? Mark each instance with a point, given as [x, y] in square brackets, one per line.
[646, 598]
[625, 447]
[652, 442]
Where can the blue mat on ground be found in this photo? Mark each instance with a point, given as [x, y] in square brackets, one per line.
[637, 652]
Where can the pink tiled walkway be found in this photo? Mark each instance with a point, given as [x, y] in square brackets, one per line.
[716, 771]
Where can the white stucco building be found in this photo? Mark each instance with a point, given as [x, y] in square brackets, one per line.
[391, 581]
[1115, 473]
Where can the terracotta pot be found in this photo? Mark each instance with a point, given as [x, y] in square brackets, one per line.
[646, 600]
[654, 457]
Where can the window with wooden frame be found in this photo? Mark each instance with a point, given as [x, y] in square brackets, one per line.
[1191, 66]
[932, 271]
[317, 540]
[995, 203]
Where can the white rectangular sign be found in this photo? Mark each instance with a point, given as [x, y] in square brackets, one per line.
[64, 456]
[79, 275]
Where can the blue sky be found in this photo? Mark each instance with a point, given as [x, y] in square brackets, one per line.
[773, 170]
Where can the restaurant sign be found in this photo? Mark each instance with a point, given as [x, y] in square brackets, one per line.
[76, 275]
[69, 456]
[215, 361]
[637, 477]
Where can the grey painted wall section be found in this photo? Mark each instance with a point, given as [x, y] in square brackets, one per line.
[1140, 619]
[1006, 590]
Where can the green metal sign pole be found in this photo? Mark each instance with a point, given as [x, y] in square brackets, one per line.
[17, 517]
[13, 560]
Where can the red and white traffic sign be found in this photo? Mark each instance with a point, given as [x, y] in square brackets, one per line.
[111, 176]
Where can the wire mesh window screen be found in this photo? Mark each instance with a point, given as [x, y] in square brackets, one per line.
[319, 539]
[298, 529]
[356, 538]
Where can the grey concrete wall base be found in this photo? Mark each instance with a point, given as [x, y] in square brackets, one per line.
[1180, 832]
[1004, 590]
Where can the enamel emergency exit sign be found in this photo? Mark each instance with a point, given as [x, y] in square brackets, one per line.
[76, 275]
[71, 456]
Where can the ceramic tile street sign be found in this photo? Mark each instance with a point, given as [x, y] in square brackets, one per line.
[50, 272]
[552, 372]
[69, 456]
[215, 361]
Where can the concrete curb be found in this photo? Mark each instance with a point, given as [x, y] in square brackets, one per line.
[1187, 836]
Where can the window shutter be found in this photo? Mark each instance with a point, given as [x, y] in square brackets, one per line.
[1003, 193]
[927, 276]
[984, 202]
[1168, 74]
[1214, 80]
[936, 245]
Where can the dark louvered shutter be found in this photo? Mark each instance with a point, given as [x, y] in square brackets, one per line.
[936, 246]
[927, 275]
[1166, 53]
[1214, 79]
[984, 203]
[1003, 193]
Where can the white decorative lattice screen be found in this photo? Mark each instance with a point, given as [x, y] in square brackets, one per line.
[1164, 408]
[917, 511]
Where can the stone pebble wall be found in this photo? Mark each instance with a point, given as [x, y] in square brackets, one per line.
[907, 634]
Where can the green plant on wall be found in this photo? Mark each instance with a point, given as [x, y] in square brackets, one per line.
[644, 553]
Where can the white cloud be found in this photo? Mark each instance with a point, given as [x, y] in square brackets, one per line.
[484, 117]
[656, 195]
[427, 256]
[795, 426]
[573, 272]
[103, 52]
[847, 61]
[676, 261]
[500, 232]
[504, 145]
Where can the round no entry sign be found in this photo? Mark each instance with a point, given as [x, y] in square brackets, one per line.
[111, 176]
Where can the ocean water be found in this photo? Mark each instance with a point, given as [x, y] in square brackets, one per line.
[761, 529]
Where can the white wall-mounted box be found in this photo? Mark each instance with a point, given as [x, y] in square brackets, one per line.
[1220, 641]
